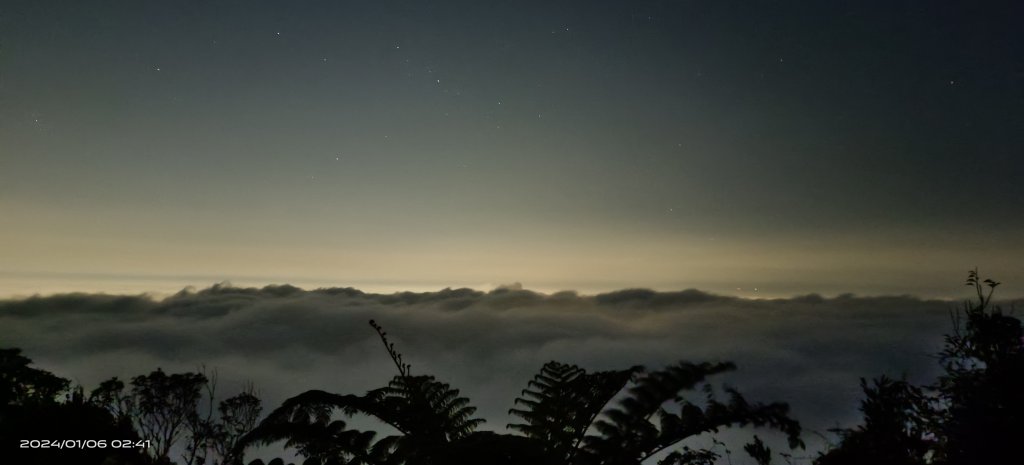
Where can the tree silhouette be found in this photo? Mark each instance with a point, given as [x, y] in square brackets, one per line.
[429, 416]
[166, 410]
[562, 402]
[32, 409]
[897, 418]
[21, 384]
[974, 414]
[161, 406]
[559, 407]
[652, 415]
[238, 416]
[982, 389]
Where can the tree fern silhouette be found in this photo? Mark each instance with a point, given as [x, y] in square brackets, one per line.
[304, 423]
[424, 407]
[427, 413]
[628, 433]
[563, 402]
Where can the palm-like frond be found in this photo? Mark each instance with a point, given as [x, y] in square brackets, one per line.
[641, 426]
[429, 415]
[423, 407]
[304, 422]
[561, 402]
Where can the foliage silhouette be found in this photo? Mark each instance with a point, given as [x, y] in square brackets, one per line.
[429, 416]
[562, 402]
[641, 425]
[31, 409]
[758, 451]
[973, 414]
[238, 416]
[165, 409]
[21, 384]
[895, 431]
[565, 413]
[161, 406]
[982, 390]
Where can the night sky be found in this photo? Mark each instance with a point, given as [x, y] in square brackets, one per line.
[791, 147]
[796, 186]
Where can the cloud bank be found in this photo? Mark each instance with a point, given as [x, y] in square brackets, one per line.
[809, 351]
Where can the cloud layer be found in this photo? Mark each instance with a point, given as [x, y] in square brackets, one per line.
[808, 350]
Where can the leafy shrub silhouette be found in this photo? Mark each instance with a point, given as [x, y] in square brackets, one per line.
[973, 414]
[897, 417]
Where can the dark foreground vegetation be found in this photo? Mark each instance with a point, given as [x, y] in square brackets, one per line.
[972, 414]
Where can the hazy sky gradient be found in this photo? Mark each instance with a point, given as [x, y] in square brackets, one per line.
[870, 147]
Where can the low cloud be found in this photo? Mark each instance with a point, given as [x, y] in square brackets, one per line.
[809, 351]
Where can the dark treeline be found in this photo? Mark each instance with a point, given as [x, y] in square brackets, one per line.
[972, 414]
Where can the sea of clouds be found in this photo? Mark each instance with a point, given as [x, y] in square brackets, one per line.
[809, 351]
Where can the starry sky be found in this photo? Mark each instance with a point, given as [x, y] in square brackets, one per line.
[756, 148]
